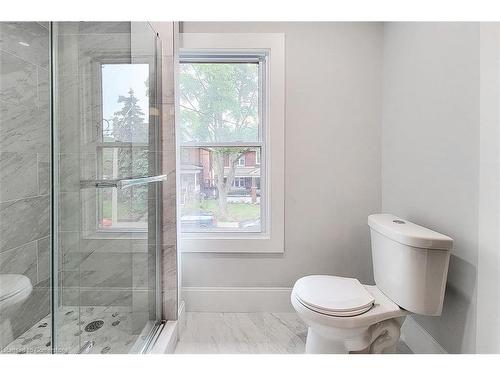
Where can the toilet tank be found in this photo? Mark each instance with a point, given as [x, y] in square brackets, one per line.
[410, 263]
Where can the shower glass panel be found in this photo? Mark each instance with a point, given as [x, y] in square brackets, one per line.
[106, 186]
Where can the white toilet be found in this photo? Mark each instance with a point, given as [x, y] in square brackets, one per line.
[14, 290]
[410, 265]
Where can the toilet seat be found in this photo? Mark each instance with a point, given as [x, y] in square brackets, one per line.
[12, 285]
[333, 295]
[383, 308]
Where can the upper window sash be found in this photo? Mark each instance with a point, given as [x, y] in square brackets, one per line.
[214, 56]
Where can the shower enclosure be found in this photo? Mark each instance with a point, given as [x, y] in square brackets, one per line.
[80, 187]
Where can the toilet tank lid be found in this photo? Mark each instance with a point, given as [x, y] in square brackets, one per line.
[408, 233]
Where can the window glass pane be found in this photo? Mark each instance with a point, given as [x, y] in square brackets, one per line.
[123, 208]
[125, 119]
[219, 102]
[125, 102]
[132, 205]
[217, 193]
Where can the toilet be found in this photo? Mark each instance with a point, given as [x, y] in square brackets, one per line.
[410, 266]
[14, 290]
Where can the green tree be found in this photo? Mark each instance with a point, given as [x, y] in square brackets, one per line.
[128, 125]
[219, 103]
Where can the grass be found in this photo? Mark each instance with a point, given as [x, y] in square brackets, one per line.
[235, 211]
[123, 209]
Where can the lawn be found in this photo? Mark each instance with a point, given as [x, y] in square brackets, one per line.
[124, 211]
[236, 211]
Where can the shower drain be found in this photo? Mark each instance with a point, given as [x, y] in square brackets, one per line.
[94, 326]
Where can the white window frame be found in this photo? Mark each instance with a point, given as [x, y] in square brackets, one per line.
[241, 161]
[271, 238]
[92, 84]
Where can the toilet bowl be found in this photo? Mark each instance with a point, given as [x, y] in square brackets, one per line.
[410, 265]
[14, 290]
[344, 315]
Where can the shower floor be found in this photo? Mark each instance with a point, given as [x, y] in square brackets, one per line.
[114, 336]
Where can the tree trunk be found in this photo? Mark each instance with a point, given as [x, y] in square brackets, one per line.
[221, 185]
[223, 203]
[224, 186]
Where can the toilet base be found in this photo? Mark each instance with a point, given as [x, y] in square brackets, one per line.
[318, 344]
[379, 338]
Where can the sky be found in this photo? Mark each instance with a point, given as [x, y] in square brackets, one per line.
[118, 79]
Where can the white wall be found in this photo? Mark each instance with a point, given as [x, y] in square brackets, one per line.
[488, 295]
[430, 154]
[437, 163]
[332, 173]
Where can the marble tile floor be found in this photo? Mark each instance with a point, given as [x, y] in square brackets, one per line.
[203, 333]
[245, 333]
[115, 335]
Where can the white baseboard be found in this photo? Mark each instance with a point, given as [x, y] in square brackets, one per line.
[222, 299]
[418, 339]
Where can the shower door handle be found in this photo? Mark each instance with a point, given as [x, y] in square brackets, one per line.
[122, 183]
[134, 181]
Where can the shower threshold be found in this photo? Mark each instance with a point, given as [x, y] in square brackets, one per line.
[108, 329]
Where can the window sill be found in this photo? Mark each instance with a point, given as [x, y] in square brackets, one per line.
[231, 243]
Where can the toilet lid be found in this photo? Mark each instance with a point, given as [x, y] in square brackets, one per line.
[333, 295]
[11, 284]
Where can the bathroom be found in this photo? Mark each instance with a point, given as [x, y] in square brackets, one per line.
[239, 186]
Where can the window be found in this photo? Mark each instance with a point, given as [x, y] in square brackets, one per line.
[230, 119]
[122, 150]
[221, 126]
[239, 183]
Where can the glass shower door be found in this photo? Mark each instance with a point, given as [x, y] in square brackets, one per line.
[106, 186]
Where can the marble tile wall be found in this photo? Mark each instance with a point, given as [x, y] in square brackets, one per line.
[25, 163]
